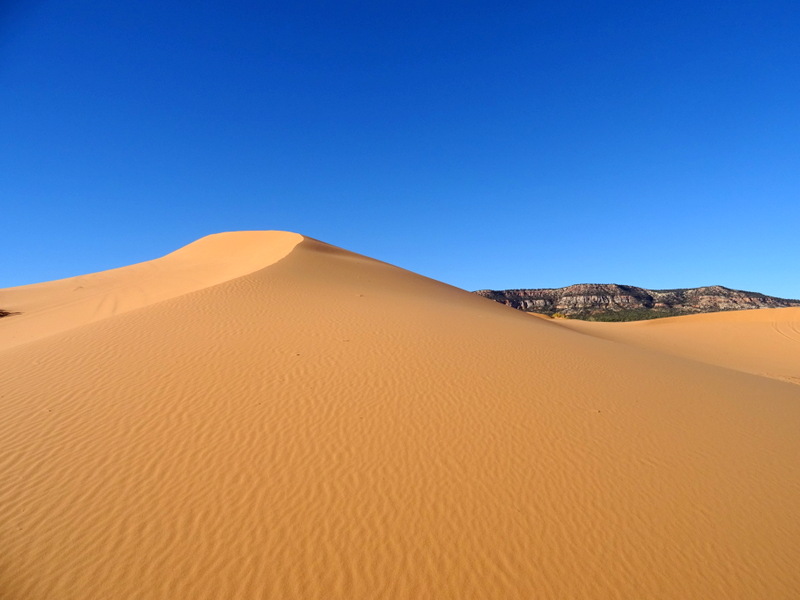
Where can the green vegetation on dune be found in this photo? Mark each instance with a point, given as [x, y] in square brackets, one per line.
[633, 314]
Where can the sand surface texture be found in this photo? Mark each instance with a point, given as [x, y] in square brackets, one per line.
[763, 342]
[323, 425]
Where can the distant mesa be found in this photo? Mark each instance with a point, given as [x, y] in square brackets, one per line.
[612, 302]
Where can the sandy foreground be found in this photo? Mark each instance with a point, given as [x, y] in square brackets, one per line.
[262, 415]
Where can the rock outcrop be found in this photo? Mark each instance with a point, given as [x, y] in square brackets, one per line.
[612, 302]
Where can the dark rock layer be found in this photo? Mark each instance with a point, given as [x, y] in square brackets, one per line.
[595, 301]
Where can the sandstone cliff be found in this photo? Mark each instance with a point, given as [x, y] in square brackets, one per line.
[611, 302]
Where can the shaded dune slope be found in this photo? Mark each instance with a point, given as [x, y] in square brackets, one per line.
[334, 427]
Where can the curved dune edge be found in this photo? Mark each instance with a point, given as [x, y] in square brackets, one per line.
[56, 306]
[763, 342]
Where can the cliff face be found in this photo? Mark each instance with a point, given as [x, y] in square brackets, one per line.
[625, 302]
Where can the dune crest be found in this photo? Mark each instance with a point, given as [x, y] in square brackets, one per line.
[333, 427]
[64, 304]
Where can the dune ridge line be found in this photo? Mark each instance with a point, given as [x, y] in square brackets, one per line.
[64, 304]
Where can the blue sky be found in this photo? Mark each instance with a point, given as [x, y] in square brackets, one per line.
[488, 145]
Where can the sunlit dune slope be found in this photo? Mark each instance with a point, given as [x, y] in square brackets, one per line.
[48, 308]
[331, 426]
[764, 342]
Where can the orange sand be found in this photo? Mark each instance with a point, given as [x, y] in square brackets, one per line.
[763, 342]
[261, 415]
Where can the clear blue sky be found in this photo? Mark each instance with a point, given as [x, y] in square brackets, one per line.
[486, 144]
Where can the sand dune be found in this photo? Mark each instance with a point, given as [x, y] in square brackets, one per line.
[763, 342]
[48, 308]
[311, 423]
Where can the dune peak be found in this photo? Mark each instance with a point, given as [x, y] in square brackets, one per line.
[233, 243]
[55, 306]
